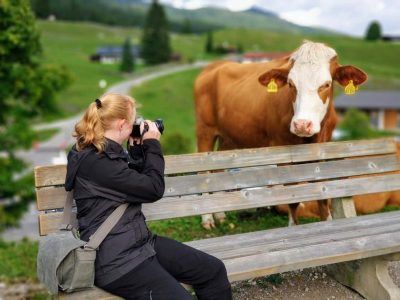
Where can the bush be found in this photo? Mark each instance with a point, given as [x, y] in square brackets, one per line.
[356, 126]
[175, 143]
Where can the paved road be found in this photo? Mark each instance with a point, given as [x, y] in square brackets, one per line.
[53, 150]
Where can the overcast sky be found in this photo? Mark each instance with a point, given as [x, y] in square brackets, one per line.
[351, 17]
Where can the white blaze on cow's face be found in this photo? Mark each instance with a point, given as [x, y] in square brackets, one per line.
[310, 72]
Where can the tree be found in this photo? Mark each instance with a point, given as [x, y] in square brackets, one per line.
[128, 60]
[356, 125]
[209, 42]
[27, 88]
[187, 26]
[41, 8]
[373, 31]
[156, 47]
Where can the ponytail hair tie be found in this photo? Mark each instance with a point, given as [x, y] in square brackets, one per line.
[98, 103]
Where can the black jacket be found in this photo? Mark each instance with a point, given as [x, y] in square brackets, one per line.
[101, 182]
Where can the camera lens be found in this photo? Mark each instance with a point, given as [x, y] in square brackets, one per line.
[160, 125]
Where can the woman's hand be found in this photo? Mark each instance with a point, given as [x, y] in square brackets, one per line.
[152, 132]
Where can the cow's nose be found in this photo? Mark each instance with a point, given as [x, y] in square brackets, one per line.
[303, 126]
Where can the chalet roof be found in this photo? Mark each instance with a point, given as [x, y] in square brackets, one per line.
[115, 51]
[370, 100]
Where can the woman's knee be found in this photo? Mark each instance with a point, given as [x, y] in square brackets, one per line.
[218, 267]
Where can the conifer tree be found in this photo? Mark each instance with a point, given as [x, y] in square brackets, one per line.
[209, 42]
[373, 31]
[128, 60]
[156, 47]
[187, 26]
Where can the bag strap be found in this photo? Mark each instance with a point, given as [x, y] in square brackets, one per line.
[101, 233]
[69, 222]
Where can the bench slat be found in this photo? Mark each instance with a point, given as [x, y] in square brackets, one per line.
[310, 256]
[260, 246]
[251, 198]
[55, 175]
[54, 197]
[296, 233]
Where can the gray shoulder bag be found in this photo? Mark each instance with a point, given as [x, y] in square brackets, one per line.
[64, 261]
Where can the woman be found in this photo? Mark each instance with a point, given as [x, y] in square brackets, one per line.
[132, 262]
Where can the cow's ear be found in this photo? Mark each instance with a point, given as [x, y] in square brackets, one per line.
[279, 75]
[344, 74]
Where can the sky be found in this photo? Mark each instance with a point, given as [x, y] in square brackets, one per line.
[350, 17]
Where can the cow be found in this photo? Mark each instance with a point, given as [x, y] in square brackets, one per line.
[233, 105]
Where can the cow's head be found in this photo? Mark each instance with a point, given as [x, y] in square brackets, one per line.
[307, 79]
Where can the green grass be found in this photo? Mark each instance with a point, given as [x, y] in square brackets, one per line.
[18, 261]
[71, 44]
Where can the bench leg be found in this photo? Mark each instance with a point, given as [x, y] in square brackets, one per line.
[369, 277]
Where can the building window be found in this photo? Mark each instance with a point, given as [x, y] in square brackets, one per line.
[374, 118]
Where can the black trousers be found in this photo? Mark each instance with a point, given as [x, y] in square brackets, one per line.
[158, 277]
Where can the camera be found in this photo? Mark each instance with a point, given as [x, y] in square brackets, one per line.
[137, 157]
[136, 127]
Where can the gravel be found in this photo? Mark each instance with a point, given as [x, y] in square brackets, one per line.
[306, 284]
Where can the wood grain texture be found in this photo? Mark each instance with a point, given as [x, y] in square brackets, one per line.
[54, 197]
[175, 164]
[250, 198]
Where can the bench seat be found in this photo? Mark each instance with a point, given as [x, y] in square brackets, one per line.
[260, 253]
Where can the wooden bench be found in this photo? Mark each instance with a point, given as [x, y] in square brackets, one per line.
[250, 178]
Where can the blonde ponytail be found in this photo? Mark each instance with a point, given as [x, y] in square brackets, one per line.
[98, 117]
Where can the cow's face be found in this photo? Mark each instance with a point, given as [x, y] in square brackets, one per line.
[308, 82]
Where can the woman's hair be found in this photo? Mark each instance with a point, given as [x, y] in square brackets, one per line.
[98, 117]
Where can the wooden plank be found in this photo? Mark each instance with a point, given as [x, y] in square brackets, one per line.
[251, 198]
[55, 175]
[249, 177]
[284, 244]
[54, 197]
[310, 256]
[296, 233]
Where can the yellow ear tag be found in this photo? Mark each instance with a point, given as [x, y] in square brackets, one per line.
[350, 89]
[272, 87]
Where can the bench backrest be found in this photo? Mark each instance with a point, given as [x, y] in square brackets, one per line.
[249, 178]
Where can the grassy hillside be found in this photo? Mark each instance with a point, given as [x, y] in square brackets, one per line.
[71, 44]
